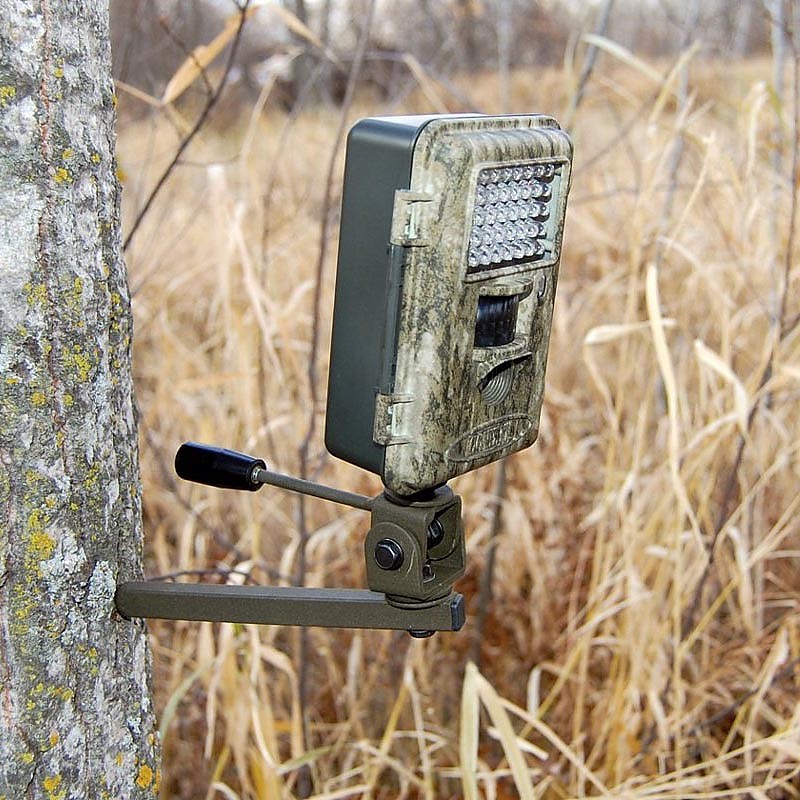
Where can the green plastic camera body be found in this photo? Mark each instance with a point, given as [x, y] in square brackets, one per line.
[450, 243]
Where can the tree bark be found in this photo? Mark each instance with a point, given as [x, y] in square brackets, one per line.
[76, 718]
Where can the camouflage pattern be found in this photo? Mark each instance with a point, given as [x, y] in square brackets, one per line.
[455, 407]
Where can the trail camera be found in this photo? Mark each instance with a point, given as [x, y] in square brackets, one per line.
[448, 259]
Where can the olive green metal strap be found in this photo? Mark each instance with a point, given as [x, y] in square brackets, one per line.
[269, 605]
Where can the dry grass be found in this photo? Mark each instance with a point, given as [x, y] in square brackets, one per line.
[645, 628]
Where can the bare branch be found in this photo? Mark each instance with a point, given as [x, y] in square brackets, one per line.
[589, 62]
[795, 175]
[304, 787]
[486, 590]
[221, 572]
[212, 100]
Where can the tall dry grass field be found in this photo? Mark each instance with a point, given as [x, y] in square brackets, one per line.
[642, 634]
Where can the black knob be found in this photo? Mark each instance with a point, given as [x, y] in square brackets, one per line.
[214, 466]
[389, 555]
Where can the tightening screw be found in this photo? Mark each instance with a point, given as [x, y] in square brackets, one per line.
[389, 555]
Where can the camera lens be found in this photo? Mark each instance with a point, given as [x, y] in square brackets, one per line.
[496, 320]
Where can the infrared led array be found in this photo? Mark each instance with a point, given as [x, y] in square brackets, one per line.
[509, 223]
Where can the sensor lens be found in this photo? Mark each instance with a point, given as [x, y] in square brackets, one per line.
[509, 222]
[496, 320]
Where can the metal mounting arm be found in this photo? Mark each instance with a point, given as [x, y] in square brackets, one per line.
[268, 605]
[414, 552]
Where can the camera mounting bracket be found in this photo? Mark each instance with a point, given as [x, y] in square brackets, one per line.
[414, 553]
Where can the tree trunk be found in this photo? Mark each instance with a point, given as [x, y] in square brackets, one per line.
[467, 30]
[303, 66]
[76, 719]
[743, 23]
[505, 34]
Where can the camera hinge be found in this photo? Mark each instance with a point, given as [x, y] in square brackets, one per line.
[387, 428]
[408, 219]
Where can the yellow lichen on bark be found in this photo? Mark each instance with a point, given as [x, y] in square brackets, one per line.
[144, 777]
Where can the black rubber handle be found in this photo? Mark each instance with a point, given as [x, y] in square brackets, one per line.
[215, 466]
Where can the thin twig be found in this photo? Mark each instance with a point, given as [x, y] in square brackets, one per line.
[188, 53]
[635, 191]
[266, 210]
[679, 142]
[434, 69]
[778, 34]
[589, 62]
[788, 261]
[622, 133]
[733, 707]
[505, 32]
[220, 538]
[303, 452]
[486, 590]
[213, 98]
[221, 572]
[168, 479]
[722, 517]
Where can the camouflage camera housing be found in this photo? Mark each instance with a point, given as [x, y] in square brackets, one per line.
[449, 250]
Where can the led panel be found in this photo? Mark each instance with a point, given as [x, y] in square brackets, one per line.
[510, 216]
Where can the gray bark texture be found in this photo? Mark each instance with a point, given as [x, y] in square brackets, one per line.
[76, 718]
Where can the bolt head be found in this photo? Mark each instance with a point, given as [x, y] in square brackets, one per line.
[389, 555]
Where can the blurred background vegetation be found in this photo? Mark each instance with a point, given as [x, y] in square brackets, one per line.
[633, 579]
